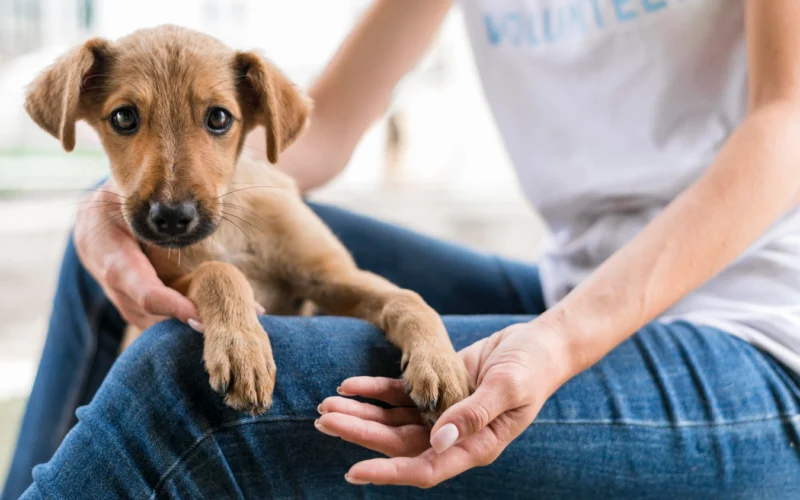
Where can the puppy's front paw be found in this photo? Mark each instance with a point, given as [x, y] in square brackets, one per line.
[436, 379]
[240, 367]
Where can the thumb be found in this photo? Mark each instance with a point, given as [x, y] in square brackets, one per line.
[469, 416]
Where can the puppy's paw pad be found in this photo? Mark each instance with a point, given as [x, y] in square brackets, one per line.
[436, 380]
[241, 368]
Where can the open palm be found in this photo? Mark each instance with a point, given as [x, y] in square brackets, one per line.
[505, 367]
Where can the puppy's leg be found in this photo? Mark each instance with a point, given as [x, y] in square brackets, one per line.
[321, 270]
[433, 372]
[237, 352]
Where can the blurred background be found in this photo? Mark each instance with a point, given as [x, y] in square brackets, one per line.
[434, 162]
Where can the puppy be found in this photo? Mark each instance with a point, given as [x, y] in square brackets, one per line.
[172, 108]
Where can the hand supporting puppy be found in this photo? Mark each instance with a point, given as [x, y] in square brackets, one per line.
[111, 254]
[516, 370]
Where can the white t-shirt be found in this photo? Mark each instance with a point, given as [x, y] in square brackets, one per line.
[609, 109]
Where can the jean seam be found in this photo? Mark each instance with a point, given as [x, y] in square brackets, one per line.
[204, 437]
[671, 425]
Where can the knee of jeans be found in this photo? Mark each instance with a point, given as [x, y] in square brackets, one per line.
[301, 334]
[337, 346]
[165, 352]
[170, 350]
[165, 339]
[169, 355]
[160, 376]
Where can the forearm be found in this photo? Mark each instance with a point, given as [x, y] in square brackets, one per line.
[356, 86]
[754, 180]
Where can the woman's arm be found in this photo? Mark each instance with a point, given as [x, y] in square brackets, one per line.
[356, 86]
[754, 180]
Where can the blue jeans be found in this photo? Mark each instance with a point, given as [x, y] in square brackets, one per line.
[678, 410]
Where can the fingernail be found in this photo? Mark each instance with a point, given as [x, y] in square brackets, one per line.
[319, 409]
[357, 482]
[260, 309]
[324, 429]
[340, 392]
[444, 438]
[196, 325]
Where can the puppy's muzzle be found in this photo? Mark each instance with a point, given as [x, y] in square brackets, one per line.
[171, 224]
[171, 220]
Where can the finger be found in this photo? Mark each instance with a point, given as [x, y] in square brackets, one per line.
[132, 313]
[162, 301]
[473, 414]
[130, 272]
[407, 440]
[394, 417]
[388, 390]
[423, 471]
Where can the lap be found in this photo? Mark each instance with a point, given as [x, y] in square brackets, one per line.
[85, 330]
[677, 409]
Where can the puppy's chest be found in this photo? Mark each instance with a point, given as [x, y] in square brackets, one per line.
[264, 272]
[270, 286]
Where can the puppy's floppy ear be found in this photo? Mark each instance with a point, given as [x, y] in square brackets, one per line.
[58, 97]
[271, 100]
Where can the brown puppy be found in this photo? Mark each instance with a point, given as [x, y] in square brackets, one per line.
[172, 108]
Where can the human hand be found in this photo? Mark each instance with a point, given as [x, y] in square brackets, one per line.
[515, 371]
[113, 257]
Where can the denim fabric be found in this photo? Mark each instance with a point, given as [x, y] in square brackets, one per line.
[676, 411]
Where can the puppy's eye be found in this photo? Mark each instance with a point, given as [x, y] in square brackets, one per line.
[218, 120]
[124, 120]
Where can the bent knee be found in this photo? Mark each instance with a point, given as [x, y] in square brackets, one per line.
[167, 350]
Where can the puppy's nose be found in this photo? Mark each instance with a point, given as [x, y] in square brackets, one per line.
[172, 219]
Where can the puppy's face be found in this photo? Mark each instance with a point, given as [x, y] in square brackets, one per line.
[172, 108]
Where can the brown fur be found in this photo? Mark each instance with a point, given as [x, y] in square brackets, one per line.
[266, 243]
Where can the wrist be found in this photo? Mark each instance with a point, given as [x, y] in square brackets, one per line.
[567, 357]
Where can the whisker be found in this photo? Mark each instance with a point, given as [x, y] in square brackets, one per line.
[245, 221]
[249, 211]
[106, 229]
[237, 227]
[105, 209]
[251, 187]
[84, 190]
[102, 222]
[106, 224]
[101, 204]
[105, 191]
[93, 201]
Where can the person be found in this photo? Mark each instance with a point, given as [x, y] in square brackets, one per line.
[653, 352]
